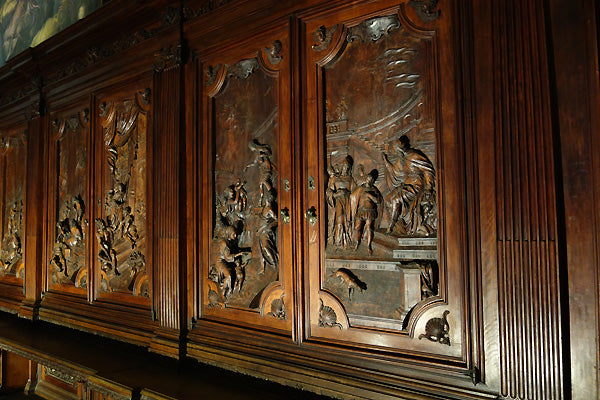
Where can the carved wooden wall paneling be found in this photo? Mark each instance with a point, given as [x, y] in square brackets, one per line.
[120, 223]
[573, 25]
[246, 274]
[356, 196]
[13, 168]
[382, 191]
[168, 162]
[528, 283]
[68, 203]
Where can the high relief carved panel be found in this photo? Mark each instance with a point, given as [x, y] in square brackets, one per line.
[245, 276]
[121, 230]
[381, 194]
[244, 247]
[13, 157]
[69, 201]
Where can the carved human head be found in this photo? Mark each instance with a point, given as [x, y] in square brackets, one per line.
[346, 166]
[404, 142]
[230, 233]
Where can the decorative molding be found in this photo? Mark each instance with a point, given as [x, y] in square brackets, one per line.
[244, 68]
[373, 29]
[60, 375]
[425, 9]
[109, 394]
[211, 73]
[168, 57]
[208, 6]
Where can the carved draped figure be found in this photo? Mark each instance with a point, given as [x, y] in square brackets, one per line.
[409, 178]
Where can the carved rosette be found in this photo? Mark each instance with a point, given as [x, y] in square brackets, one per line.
[13, 155]
[381, 184]
[121, 231]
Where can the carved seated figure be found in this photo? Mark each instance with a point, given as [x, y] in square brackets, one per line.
[412, 195]
[229, 263]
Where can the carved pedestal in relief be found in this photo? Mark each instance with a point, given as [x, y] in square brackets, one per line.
[13, 160]
[244, 260]
[121, 233]
[69, 202]
[381, 186]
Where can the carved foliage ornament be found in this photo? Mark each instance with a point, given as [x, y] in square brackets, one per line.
[328, 317]
[425, 9]
[373, 29]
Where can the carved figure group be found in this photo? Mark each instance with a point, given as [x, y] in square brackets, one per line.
[11, 244]
[69, 234]
[231, 263]
[355, 204]
[412, 196]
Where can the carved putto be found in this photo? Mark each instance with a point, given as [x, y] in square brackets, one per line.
[11, 242]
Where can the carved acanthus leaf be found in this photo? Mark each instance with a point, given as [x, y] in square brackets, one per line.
[244, 68]
[373, 29]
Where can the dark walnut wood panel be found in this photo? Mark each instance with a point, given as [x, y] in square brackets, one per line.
[382, 185]
[246, 275]
[13, 168]
[531, 363]
[69, 194]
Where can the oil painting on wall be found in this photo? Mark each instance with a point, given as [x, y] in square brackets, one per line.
[27, 23]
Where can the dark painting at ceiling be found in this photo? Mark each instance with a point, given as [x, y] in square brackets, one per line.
[27, 23]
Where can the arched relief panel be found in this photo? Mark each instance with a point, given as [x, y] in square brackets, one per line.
[68, 201]
[120, 257]
[13, 167]
[384, 216]
[246, 270]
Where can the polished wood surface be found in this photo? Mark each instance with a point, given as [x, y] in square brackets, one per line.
[369, 199]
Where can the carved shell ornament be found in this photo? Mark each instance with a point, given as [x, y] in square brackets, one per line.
[327, 317]
[437, 330]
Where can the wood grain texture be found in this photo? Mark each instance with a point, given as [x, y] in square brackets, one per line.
[528, 282]
[575, 60]
[167, 229]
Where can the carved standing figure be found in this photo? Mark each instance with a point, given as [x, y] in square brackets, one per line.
[265, 168]
[338, 191]
[229, 259]
[267, 233]
[410, 178]
[364, 203]
[107, 255]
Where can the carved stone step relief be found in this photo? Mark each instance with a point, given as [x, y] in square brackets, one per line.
[381, 186]
[69, 202]
[244, 252]
[13, 156]
[121, 233]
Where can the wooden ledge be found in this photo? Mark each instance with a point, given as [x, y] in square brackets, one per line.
[127, 371]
